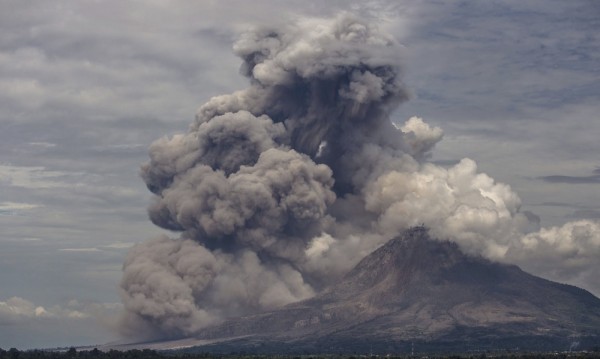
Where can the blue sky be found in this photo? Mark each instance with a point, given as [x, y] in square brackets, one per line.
[86, 86]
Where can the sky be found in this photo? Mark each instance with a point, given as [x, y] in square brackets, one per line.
[87, 86]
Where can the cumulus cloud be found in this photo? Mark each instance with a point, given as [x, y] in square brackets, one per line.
[569, 253]
[278, 189]
[420, 137]
[16, 310]
[74, 322]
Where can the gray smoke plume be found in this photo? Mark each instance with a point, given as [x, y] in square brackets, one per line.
[280, 188]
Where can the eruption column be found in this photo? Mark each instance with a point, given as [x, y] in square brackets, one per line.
[278, 189]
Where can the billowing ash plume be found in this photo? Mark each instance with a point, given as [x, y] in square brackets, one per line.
[280, 188]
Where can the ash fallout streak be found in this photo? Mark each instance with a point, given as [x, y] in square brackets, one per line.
[278, 189]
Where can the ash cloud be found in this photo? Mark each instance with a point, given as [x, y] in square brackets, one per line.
[278, 189]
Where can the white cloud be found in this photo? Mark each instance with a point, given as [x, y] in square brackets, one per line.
[33, 177]
[120, 245]
[16, 309]
[568, 253]
[24, 324]
[15, 208]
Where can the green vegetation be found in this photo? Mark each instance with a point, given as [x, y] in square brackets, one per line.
[13, 353]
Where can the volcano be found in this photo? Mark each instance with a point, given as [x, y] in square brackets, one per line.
[415, 290]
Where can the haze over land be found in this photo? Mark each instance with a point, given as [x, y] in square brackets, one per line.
[84, 100]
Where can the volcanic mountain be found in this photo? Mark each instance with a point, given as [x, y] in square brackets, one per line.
[415, 290]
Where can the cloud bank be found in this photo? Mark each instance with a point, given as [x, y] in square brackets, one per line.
[76, 319]
[278, 189]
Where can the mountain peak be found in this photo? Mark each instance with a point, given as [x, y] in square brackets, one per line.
[413, 251]
[413, 258]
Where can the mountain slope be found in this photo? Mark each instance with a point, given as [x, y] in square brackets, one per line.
[417, 289]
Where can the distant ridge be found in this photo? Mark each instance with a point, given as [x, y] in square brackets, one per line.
[417, 291]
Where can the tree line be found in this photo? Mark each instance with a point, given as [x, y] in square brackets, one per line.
[71, 353]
